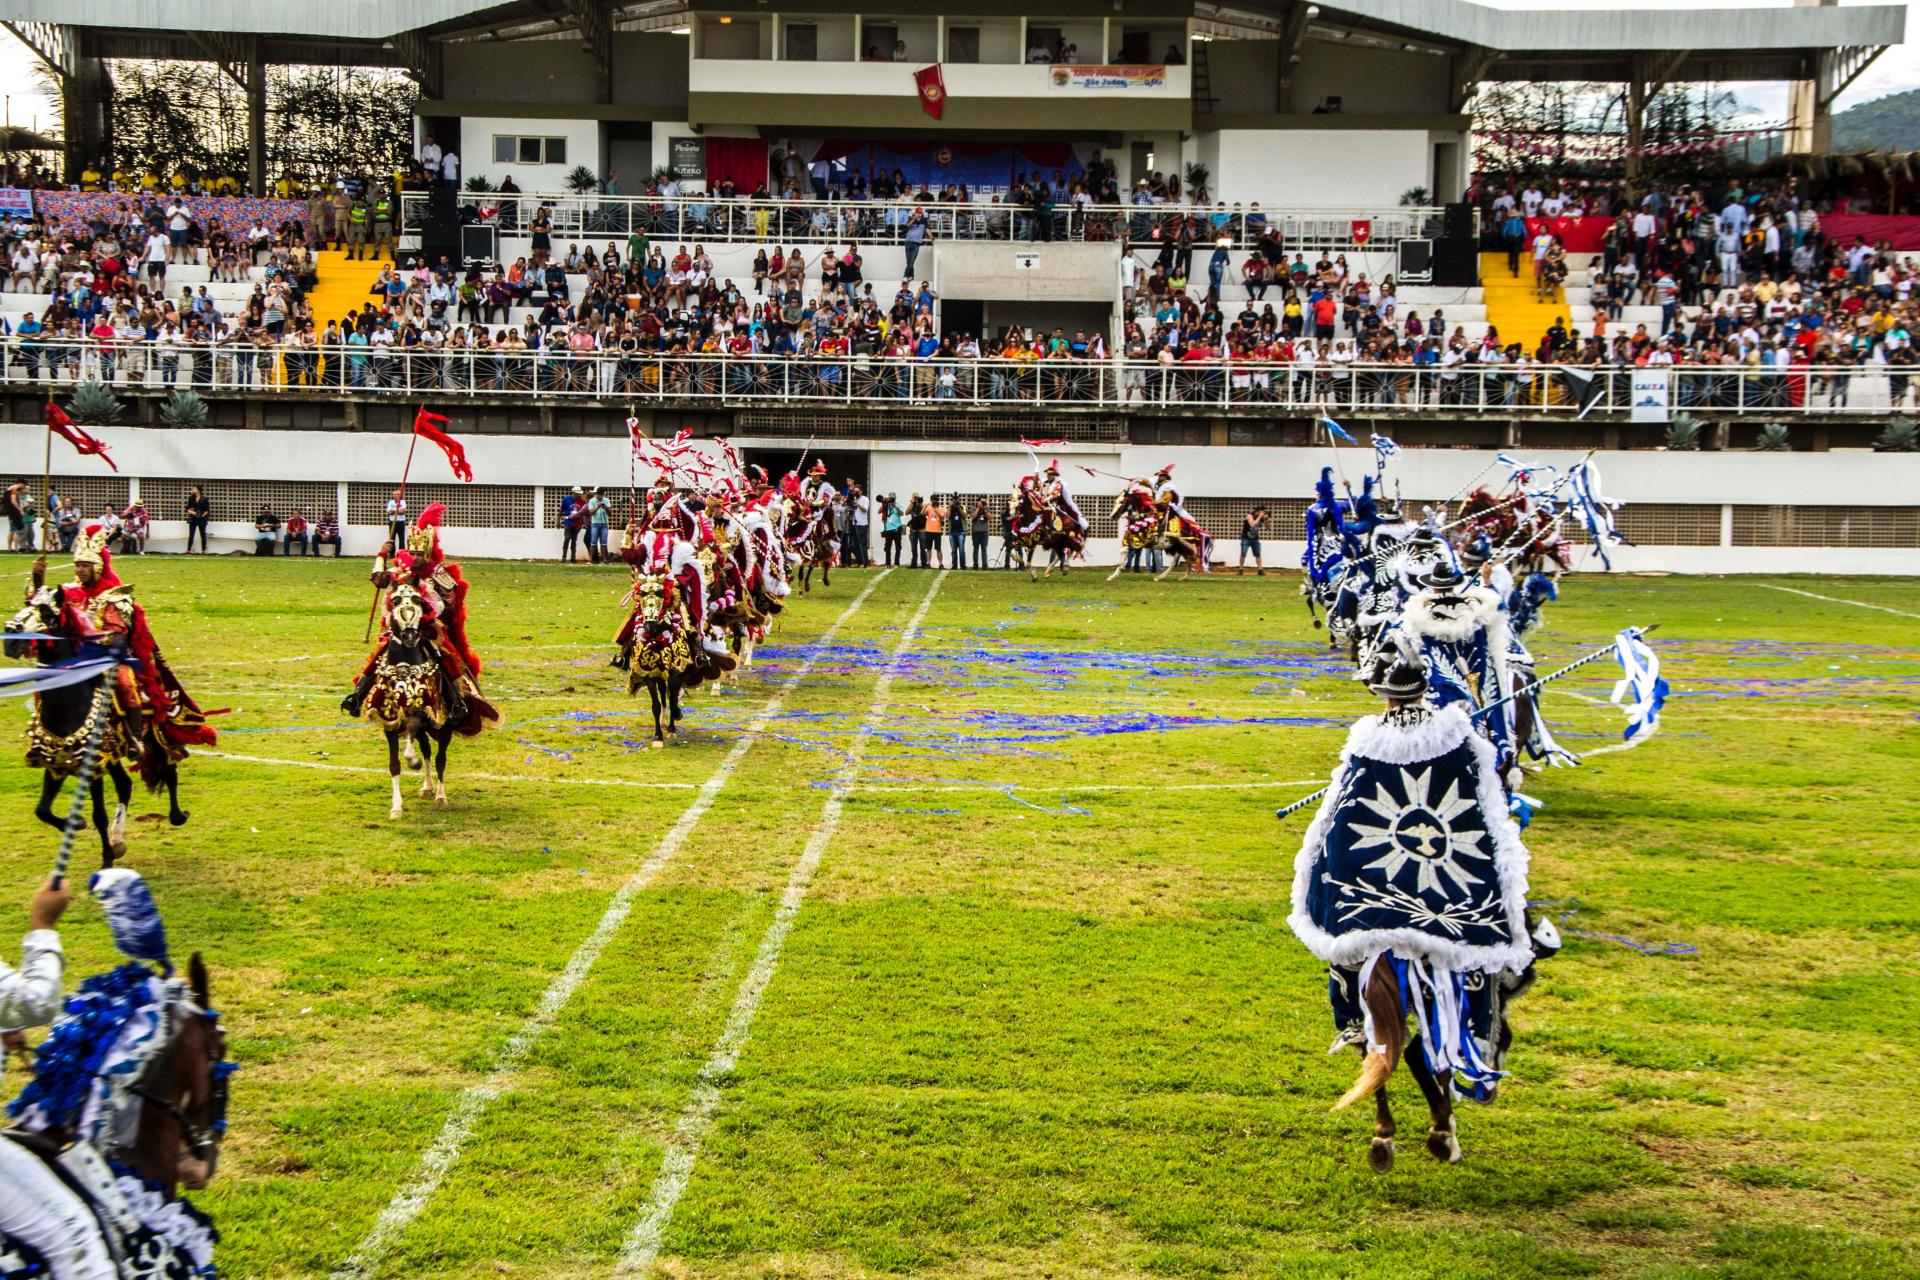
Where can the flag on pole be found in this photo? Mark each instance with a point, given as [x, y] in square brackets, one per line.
[1384, 447]
[1641, 691]
[932, 88]
[1588, 389]
[427, 426]
[1595, 509]
[61, 425]
[1338, 432]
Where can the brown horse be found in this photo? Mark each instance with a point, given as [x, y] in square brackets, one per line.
[810, 536]
[1387, 1019]
[1145, 526]
[1040, 526]
[656, 650]
[179, 1095]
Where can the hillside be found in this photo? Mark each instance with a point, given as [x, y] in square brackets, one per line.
[1890, 122]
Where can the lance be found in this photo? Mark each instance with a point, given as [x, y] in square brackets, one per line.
[1524, 689]
[380, 562]
[102, 711]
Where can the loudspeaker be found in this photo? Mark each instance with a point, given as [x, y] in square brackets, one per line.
[440, 228]
[1456, 262]
[479, 242]
[1416, 261]
[1457, 222]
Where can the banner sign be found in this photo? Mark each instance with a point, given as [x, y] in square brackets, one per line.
[15, 203]
[1106, 79]
[687, 159]
[1650, 395]
[1026, 260]
[931, 85]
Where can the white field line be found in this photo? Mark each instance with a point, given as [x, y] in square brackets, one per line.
[1858, 604]
[478, 777]
[441, 1155]
[683, 1148]
[1090, 786]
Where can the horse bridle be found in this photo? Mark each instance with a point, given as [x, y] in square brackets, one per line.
[201, 1141]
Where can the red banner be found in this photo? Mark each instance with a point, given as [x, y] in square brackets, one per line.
[1577, 235]
[933, 90]
[1362, 229]
[427, 426]
[1901, 231]
[61, 425]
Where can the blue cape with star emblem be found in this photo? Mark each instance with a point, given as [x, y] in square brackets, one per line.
[1412, 851]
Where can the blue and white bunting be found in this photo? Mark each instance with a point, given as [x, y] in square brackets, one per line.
[1641, 692]
[1384, 447]
[1339, 432]
[1594, 509]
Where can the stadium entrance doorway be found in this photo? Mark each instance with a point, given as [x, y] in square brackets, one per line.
[843, 465]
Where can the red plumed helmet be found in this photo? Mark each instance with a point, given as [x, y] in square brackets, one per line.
[432, 515]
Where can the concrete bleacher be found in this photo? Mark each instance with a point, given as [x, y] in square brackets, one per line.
[230, 296]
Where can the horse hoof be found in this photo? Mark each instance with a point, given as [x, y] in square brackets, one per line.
[1444, 1145]
[439, 802]
[655, 745]
[178, 818]
[394, 813]
[1380, 1155]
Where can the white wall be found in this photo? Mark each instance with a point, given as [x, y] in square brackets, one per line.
[1853, 477]
[1321, 166]
[476, 150]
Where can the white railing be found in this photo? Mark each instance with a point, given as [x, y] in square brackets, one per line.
[769, 221]
[620, 379]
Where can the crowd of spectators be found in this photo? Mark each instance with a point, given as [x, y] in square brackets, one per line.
[1744, 276]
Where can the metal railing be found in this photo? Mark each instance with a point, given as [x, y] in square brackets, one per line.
[873, 381]
[836, 221]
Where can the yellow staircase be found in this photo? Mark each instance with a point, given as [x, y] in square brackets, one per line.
[1511, 306]
[341, 286]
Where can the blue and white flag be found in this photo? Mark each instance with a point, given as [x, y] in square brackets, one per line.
[1384, 447]
[59, 675]
[1641, 691]
[1594, 509]
[1338, 432]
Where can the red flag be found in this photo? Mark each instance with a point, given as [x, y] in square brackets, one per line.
[426, 425]
[1362, 230]
[933, 90]
[61, 425]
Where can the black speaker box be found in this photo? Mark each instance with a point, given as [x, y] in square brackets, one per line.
[1456, 262]
[1457, 222]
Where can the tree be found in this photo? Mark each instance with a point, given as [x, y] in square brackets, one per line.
[1577, 131]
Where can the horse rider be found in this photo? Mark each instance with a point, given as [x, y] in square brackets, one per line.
[151, 697]
[443, 591]
[1054, 490]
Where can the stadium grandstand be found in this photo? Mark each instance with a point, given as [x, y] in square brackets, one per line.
[916, 238]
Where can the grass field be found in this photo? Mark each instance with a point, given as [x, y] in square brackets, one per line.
[1018, 998]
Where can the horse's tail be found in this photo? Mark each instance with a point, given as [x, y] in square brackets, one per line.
[1386, 1028]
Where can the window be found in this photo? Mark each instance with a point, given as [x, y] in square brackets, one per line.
[963, 44]
[512, 149]
[803, 42]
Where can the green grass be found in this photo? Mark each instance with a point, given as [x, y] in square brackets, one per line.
[1054, 1031]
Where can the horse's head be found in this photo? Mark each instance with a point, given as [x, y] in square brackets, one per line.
[653, 600]
[41, 615]
[183, 1092]
[406, 614]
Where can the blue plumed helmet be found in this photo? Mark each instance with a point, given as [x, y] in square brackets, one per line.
[1323, 489]
[132, 916]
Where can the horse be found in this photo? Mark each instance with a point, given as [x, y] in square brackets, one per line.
[1041, 526]
[1387, 1013]
[1145, 526]
[64, 719]
[416, 699]
[810, 536]
[656, 649]
[179, 1097]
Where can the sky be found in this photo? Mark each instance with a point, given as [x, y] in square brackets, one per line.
[1895, 70]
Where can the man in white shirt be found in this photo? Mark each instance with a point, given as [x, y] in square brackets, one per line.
[1530, 201]
[25, 263]
[397, 520]
[450, 168]
[155, 255]
[430, 156]
[178, 220]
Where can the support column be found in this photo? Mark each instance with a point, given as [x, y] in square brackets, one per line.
[256, 123]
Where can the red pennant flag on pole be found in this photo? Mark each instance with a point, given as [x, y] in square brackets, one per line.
[933, 90]
[61, 425]
[427, 426]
